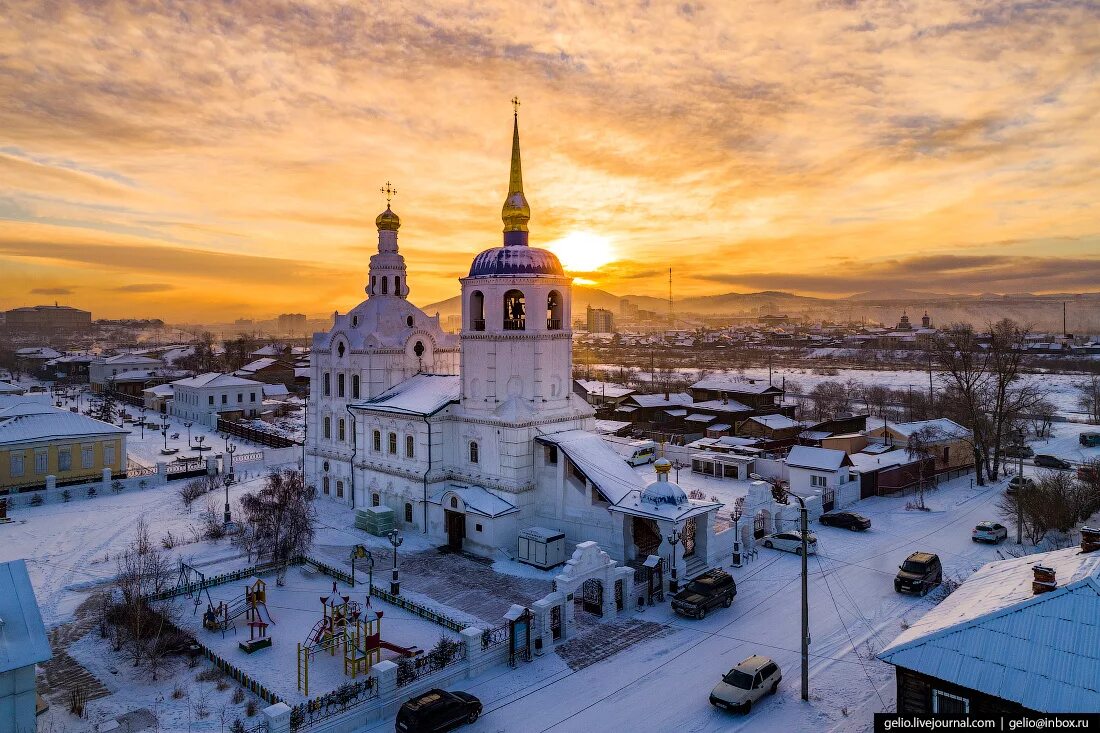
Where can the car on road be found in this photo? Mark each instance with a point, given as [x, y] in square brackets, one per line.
[437, 710]
[1019, 451]
[1046, 461]
[790, 542]
[920, 573]
[746, 683]
[845, 520]
[712, 589]
[989, 531]
[1016, 482]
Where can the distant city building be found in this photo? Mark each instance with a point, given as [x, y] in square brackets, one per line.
[627, 310]
[244, 322]
[292, 322]
[904, 324]
[600, 320]
[926, 321]
[47, 320]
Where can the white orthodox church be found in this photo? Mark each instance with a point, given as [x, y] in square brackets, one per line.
[472, 439]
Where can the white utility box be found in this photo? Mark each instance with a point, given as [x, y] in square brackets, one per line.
[541, 547]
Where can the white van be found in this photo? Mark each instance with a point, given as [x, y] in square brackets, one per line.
[640, 452]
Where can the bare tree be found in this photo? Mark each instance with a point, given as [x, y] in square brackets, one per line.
[1042, 417]
[1010, 398]
[190, 491]
[921, 445]
[142, 570]
[282, 516]
[1088, 397]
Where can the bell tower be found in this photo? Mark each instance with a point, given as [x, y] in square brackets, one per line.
[517, 348]
[387, 267]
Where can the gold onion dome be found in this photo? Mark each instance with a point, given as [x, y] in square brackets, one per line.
[387, 220]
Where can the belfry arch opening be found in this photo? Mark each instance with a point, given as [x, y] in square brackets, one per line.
[554, 311]
[515, 311]
[477, 311]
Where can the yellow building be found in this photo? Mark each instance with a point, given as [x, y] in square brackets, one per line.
[948, 441]
[38, 440]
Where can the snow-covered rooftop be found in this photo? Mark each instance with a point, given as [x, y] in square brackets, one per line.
[23, 640]
[943, 426]
[734, 385]
[216, 379]
[604, 389]
[820, 459]
[8, 388]
[871, 462]
[421, 394]
[721, 406]
[25, 421]
[476, 499]
[659, 399]
[603, 466]
[775, 422]
[161, 390]
[255, 366]
[994, 635]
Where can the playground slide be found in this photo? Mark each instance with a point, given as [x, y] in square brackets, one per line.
[402, 650]
[266, 612]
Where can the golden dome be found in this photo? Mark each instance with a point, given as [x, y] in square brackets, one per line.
[387, 220]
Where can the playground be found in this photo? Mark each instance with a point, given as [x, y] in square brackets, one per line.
[302, 639]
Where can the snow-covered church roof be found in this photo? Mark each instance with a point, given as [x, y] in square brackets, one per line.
[421, 394]
[23, 640]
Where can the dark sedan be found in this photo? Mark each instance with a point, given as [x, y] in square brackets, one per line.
[846, 520]
[1046, 461]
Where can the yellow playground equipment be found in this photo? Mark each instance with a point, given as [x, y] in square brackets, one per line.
[346, 628]
[222, 616]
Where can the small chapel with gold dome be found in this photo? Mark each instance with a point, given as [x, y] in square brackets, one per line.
[471, 439]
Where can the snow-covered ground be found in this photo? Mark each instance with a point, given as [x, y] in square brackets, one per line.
[663, 685]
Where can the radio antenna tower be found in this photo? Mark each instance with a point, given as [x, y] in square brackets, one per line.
[671, 320]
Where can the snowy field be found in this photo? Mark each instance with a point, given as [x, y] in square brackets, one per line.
[295, 607]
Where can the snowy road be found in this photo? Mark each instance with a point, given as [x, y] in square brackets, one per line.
[663, 684]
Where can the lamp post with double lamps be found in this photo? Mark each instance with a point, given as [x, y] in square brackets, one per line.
[673, 540]
[782, 496]
[395, 539]
[229, 480]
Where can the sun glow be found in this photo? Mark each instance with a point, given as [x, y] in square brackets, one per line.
[583, 251]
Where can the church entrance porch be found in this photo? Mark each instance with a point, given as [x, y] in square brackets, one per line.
[647, 537]
[456, 529]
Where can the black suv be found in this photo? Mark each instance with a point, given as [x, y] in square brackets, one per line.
[437, 710]
[711, 589]
[1052, 462]
[920, 573]
[845, 520]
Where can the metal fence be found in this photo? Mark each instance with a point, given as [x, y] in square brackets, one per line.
[338, 701]
[492, 637]
[419, 610]
[255, 435]
[417, 668]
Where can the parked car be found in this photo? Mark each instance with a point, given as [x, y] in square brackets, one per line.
[1089, 440]
[989, 531]
[790, 542]
[746, 683]
[437, 710]
[711, 589]
[845, 520]
[920, 573]
[1016, 482]
[1019, 451]
[1052, 462]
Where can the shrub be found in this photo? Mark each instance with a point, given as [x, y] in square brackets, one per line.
[91, 492]
[238, 696]
[178, 692]
[66, 496]
[221, 685]
[251, 707]
[37, 500]
[116, 486]
[168, 541]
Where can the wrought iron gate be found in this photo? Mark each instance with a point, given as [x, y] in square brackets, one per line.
[592, 596]
[828, 500]
[555, 622]
[758, 528]
[618, 595]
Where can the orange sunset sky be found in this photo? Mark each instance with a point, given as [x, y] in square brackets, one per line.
[211, 160]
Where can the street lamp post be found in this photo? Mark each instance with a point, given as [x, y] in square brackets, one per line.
[229, 480]
[782, 496]
[395, 581]
[164, 432]
[674, 539]
[200, 439]
[143, 423]
[188, 426]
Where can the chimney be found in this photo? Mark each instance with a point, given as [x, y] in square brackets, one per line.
[1044, 580]
[1090, 539]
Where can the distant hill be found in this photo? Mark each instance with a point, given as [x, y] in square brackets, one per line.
[885, 294]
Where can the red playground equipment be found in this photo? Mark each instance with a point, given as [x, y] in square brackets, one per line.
[346, 627]
[249, 605]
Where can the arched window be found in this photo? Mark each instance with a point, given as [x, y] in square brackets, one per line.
[473, 451]
[393, 443]
[454, 502]
[375, 499]
[477, 311]
[515, 311]
[325, 485]
[418, 349]
[409, 322]
[410, 445]
[385, 285]
[373, 284]
[553, 311]
[408, 512]
[340, 429]
[340, 349]
[340, 381]
[326, 384]
[339, 489]
[355, 386]
[326, 424]
[397, 286]
[377, 441]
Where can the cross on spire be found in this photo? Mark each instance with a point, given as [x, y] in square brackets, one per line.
[390, 192]
[515, 106]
